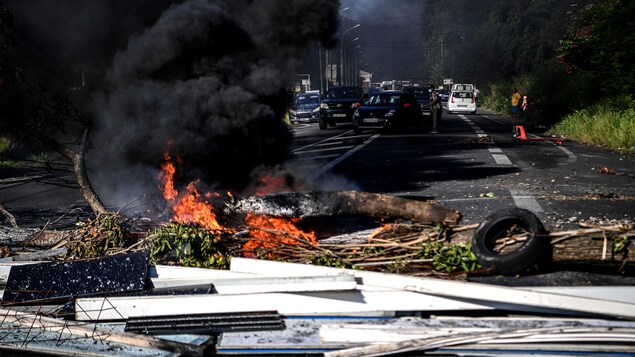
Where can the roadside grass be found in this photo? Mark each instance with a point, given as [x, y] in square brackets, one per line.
[32, 161]
[601, 125]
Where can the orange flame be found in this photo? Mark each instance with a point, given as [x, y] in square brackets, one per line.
[269, 184]
[167, 179]
[189, 207]
[267, 232]
[270, 232]
[385, 227]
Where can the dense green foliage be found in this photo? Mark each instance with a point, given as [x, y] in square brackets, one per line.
[449, 258]
[189, 246]
[481, 41]
[600, 45]
[610, 125]
[571, 58]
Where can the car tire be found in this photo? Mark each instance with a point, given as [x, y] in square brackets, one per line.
[357, 129]
[322, 124]
[535, 250]
[474, 112]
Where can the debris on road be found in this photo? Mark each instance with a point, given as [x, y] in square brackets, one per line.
[270, 286]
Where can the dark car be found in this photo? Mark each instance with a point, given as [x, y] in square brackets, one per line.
[386, 110]
[423, 98]
[339, 104]
[444, 95]
[305, 108]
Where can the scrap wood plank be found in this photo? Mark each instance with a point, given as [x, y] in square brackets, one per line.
[490, 295]
[301, 336]
[434, 343]
[410, 328]
[253, 285]
[177, 272]
[331, 303]
[624, 294]
[305, 334]
[15, 320]
[356, 336]
[37, 342]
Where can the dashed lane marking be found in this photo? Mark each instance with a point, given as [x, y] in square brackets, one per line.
[571, 156]
[319, 172]
[520, 200]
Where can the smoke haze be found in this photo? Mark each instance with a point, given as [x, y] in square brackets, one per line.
[203, 80]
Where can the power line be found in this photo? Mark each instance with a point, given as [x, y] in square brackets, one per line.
[393, 46]
[386, 18]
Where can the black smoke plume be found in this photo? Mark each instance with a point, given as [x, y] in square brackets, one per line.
[207, 83]
[204, 80]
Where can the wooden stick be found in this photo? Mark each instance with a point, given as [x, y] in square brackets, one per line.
[25, 320]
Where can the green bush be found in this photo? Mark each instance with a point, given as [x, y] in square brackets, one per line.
[610, 125]
[5, 145]
[188, 245]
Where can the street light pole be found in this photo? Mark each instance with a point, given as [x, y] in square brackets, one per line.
[328, 61]
[344, 64]
[342, 51]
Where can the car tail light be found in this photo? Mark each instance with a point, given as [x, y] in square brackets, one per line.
[406, 105]
[356, 105]
[452, 99]
[472, 99]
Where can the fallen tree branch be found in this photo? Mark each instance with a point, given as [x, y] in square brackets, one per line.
[315, 204]
[9, 217]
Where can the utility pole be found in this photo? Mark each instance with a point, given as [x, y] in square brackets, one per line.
[342, 50]
[321, 73]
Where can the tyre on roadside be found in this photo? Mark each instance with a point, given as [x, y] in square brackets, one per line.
[511, 241]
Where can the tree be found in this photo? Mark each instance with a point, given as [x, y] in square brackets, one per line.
[599, 45]
[507, 37]
[39, 113]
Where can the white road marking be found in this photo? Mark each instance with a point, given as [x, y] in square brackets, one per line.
[322, 141]
[319, 172]
[501, 159]
[323, 149]
[306, 158]
[527, 202]
[497, 153]
[571, 156]
[521, 201]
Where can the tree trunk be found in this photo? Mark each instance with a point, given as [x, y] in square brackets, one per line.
[9, 217]
[314, 204]
[593, 250]
[79, 167]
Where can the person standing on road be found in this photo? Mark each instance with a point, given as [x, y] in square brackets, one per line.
[515, 105]
[435, 108]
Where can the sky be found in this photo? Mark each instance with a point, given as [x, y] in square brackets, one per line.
[389, 36]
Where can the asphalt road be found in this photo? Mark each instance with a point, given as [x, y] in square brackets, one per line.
[475, 165]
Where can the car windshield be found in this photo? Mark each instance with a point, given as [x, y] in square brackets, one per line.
[384, 99]
[307, 99]
[344, 93]
[462, 94]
